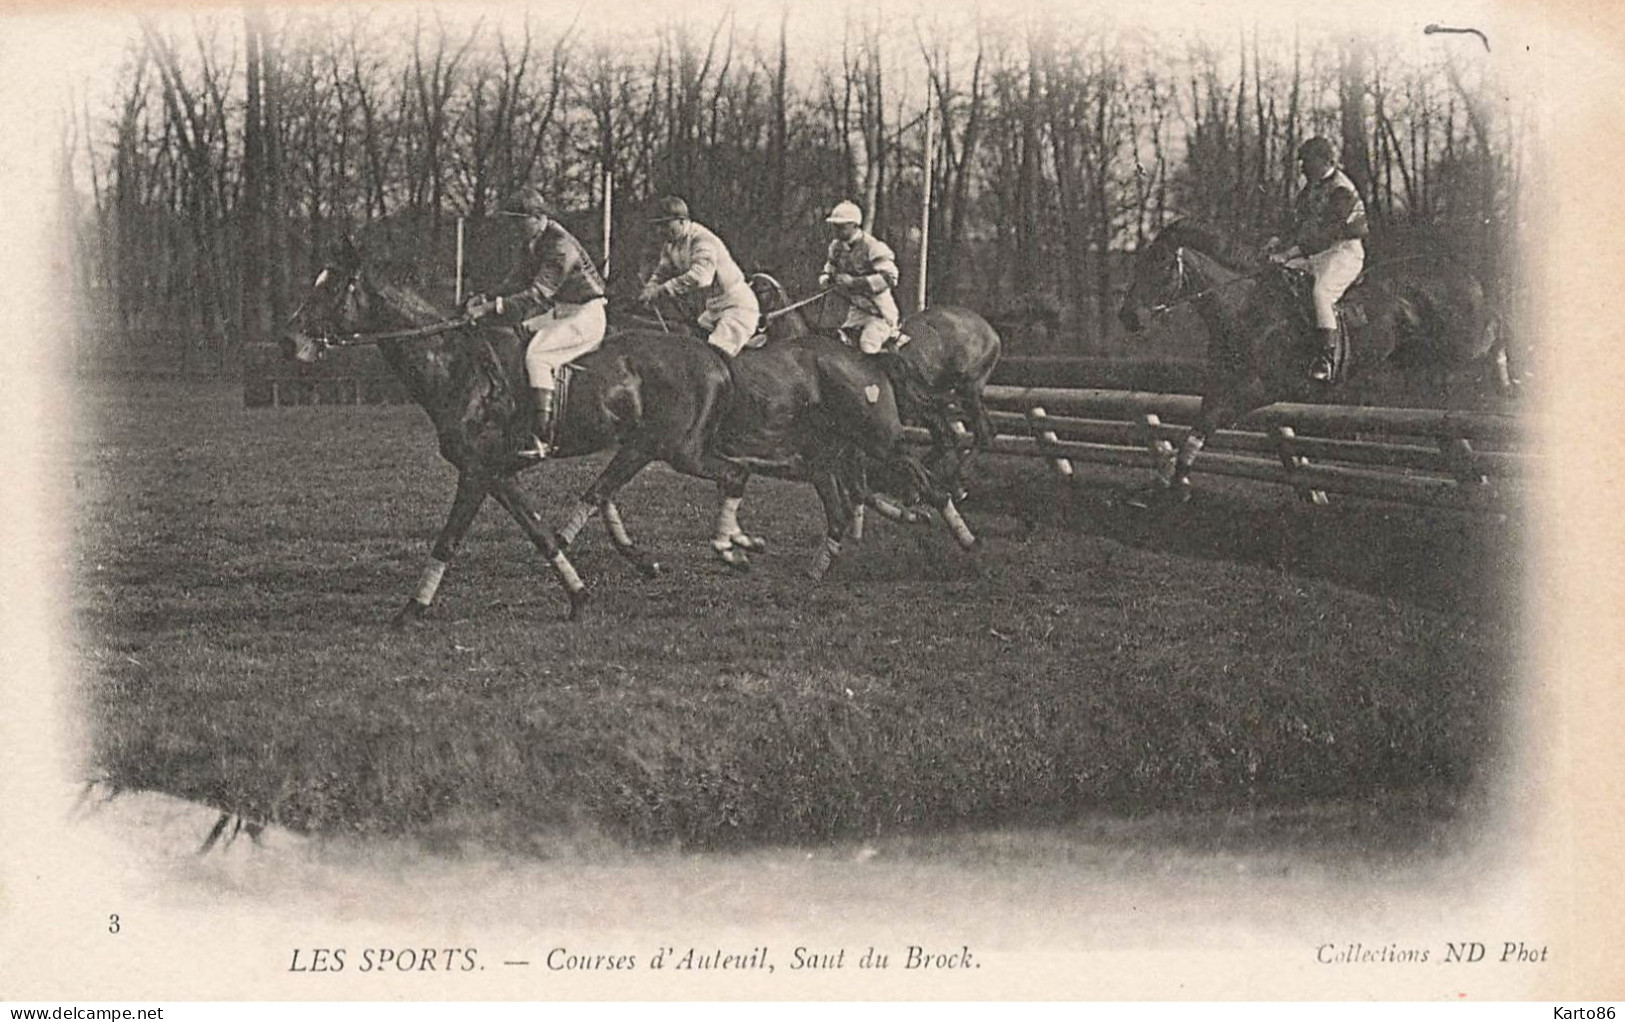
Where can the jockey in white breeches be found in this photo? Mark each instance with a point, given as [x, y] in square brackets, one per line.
[554, 291]
[694, 259]
[864, 270]
[1328, 224]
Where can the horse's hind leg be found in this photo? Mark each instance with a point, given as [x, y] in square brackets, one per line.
[625, 545]
[730, 538]
[471, 491]
[508, 495]
[600, 496]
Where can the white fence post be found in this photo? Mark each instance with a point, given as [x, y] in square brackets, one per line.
[1038, 424]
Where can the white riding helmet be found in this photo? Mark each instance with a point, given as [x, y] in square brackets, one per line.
[845, 212]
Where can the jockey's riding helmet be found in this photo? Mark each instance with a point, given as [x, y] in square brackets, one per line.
[670, 208]
[845, 212]
[1319, 148]
[526, 202]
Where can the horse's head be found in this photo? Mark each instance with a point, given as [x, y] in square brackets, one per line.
[339, 301]
[1159, 276]
[770, 294]
[774, 299]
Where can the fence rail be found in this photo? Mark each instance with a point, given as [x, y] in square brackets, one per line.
[1469, 461]
[1473, 461]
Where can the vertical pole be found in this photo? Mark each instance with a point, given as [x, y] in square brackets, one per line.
[609, 200]
[459, 288]
[925, 203]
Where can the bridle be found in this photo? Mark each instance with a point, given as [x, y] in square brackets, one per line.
[358, 340]
[1182, 281]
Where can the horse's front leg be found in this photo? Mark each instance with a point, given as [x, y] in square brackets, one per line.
[837, 519]
[600, 497]
[508, 495]
[905, 467]
[471, 492]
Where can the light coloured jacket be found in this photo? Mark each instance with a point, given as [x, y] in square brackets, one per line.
[871, 260]
[699, 261]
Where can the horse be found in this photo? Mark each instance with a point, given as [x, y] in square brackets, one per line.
[949, 358]
[651, 396]
[1431, 316]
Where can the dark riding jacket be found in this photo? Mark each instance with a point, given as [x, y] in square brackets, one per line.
[1326, 212]
[551, 268]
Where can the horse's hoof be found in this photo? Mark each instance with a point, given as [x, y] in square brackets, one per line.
[410, 614]
[749, 544]
[651, 569]
[734, 558]
[815, 571]
[578, 604]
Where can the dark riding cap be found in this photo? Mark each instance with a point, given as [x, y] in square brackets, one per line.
[1317, 147]
[669, 208]
[526, 202]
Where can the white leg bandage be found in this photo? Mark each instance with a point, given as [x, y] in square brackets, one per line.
[567, 572]
[617, 528]
[956, 524]
[728, 519]
[429, 581]
[578, 519]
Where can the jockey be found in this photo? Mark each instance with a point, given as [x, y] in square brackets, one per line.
[553, 290]
[693, 259]
[1328, 222]
[864, 270]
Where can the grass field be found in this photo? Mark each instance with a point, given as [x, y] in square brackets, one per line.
[1347, 667]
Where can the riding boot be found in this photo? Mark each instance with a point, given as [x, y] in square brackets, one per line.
[1324, 362]
[541, 439]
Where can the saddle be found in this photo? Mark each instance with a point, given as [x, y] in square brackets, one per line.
[1298, 285]
[892, 344]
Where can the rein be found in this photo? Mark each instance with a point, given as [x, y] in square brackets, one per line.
[768, 317]
[1179, 257]
[362, 340]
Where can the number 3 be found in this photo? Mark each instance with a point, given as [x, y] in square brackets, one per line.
[112, 923]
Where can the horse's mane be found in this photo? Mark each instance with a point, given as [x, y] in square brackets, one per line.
[408, 303]
[1230, 251]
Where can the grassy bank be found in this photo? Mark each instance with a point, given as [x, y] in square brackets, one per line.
[235, 569]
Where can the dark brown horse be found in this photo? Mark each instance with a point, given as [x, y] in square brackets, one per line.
[1428, 316]
[654, 397]
[944, 368]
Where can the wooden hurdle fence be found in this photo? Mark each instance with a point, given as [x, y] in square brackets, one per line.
[1471, 461]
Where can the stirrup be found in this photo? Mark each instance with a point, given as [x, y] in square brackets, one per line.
[1321, 370]
[537, 450]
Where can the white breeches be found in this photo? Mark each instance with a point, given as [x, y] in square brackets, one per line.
[562, 334]
[730, 327]
[1334, 270]
[877, 330]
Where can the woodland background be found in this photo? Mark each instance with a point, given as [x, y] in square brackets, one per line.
[201, 181]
